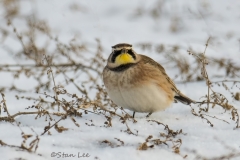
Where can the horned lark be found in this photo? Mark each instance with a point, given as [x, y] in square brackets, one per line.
[138, 83]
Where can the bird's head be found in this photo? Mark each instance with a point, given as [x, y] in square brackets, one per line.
[122, 54]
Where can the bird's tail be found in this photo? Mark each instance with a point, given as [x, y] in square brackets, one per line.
[184, 99]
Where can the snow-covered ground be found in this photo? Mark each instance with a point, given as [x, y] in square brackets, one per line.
[187, 24]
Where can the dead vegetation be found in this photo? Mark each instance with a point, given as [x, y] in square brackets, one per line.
[169, 138]
[63, 65]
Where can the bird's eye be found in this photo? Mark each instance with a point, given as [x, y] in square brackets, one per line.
[132, 54]
[115, 54]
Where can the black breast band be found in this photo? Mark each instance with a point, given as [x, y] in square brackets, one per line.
[122, 67]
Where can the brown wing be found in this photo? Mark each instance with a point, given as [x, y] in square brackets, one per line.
[178, 96]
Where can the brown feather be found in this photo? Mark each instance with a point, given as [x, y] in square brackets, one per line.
[178, 95]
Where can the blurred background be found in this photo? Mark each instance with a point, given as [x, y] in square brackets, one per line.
[82, 32]
[75, 38]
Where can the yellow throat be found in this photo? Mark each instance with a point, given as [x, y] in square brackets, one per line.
[124, 58]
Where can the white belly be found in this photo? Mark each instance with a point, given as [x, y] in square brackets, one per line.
[147, 98]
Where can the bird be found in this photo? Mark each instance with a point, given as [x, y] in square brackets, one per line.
[139, 83]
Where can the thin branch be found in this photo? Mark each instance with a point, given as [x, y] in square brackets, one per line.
[12, 146]
[225, 81]
[4, 104]
[45, 66]
[217, 118]
[63, 117]
[11, 118]
[205, 72]
[55, 87]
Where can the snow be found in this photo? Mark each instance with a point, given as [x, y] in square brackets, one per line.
[113, 22]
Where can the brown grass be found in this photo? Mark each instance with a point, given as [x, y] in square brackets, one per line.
[73, 60]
